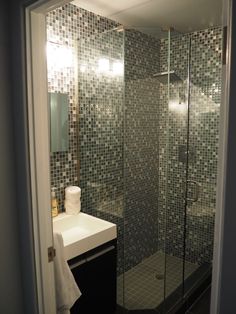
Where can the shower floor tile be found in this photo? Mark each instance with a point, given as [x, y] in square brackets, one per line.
[144, 283]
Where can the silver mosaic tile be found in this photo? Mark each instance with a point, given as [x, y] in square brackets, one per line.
[125, 140]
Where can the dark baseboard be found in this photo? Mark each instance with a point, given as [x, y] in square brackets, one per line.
[193, 287]
[142, 312]
[189, 301]
[121, 310]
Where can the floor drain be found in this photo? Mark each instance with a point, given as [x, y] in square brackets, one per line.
[159, 276]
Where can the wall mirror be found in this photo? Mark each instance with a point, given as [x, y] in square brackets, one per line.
[59, 113]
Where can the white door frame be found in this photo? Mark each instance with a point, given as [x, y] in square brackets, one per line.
[38, 126]
[221, 180]
[223, 276]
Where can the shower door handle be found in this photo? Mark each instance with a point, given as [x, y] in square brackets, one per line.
[197, 191]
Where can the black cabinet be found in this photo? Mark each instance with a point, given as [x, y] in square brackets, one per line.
[95, 273]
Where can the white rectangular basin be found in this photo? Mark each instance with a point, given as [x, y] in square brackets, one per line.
[83, 232]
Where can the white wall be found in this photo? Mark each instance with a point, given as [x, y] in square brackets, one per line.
[10, 275]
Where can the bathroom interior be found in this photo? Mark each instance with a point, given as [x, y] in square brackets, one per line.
[136, 89]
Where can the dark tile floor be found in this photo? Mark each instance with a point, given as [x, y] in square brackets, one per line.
[202, 304]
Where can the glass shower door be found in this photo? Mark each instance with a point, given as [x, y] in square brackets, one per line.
[174, 128]
[203, 139]
[191, 166]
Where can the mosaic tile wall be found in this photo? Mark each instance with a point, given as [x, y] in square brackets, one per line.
[94, 160]
[142, 60]
[61, 38]
[66, 27]
[101, 99]
[205, 94]
[121, 129]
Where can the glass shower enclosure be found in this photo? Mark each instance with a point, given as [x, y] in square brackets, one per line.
[149, 119]
[171, 125]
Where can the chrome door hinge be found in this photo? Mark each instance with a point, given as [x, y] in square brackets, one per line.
[51, 253]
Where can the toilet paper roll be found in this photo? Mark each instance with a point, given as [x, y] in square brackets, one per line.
[72, 193]
[72, 208]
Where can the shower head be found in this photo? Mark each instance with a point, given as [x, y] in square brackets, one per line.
[119, 28]
[165, 28]
[163, 77]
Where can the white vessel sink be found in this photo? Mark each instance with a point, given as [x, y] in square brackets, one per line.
[82, 232]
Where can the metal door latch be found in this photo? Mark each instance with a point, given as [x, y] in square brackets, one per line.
[51, 253]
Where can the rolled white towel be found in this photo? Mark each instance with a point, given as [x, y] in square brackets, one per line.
[72, 208]
[72, 201]
[72, 193]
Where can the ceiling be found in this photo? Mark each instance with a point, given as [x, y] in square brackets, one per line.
[150, 16]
